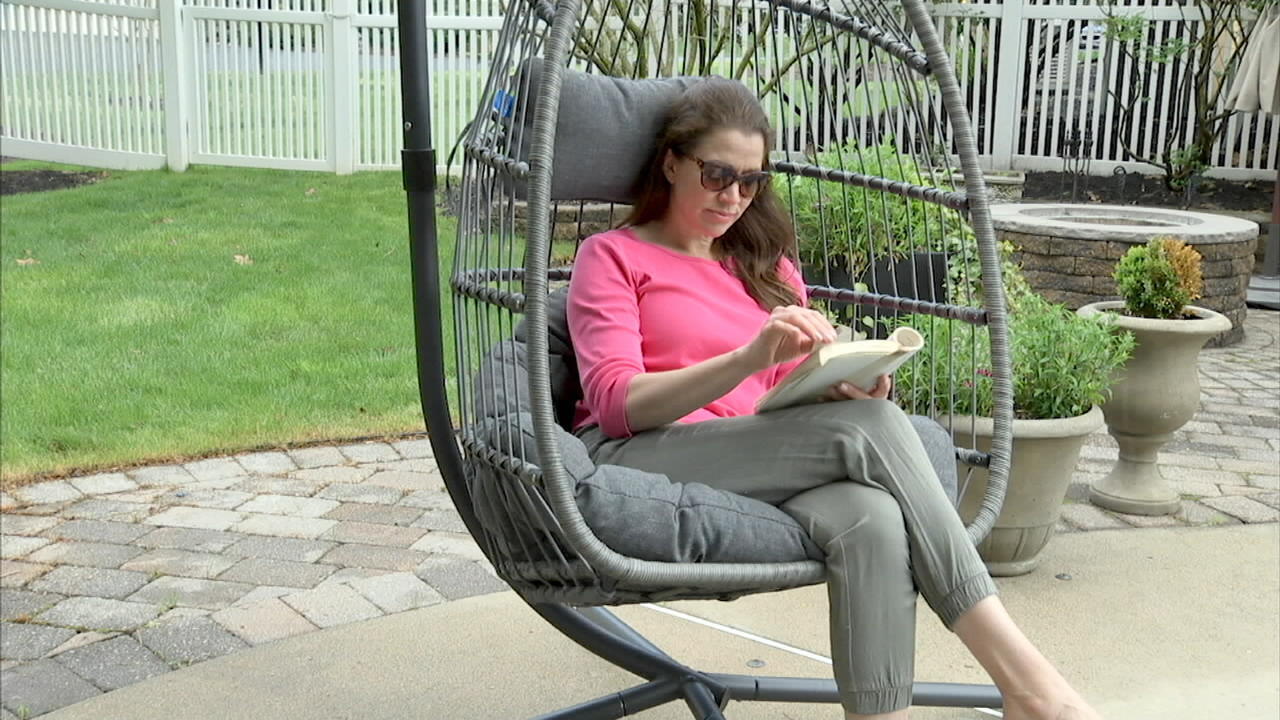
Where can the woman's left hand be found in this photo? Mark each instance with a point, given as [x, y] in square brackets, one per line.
[848, 391]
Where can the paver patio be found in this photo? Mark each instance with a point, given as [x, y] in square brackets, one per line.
[111, 578]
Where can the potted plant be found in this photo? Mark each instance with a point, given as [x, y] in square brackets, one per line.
[852, 237]
[1158, 390]
[1063, 365]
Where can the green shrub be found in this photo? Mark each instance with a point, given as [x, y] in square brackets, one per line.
[1159, 279]
[838, 223]
[1063, 363]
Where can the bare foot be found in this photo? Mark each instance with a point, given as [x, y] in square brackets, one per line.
[1067, 705]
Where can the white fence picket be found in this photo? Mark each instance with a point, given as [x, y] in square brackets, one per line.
[91, 81]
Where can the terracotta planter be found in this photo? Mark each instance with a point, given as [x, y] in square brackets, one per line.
[1044, 457]
[1155, 393]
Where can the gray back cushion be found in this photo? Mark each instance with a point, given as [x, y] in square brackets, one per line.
[606, 130]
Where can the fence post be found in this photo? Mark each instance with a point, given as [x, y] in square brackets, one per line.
[342, 100]
[177, 145]
[1010, 60]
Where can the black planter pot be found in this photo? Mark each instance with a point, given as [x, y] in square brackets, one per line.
[922, 276]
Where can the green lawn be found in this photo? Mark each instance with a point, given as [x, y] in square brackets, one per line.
[138, 336]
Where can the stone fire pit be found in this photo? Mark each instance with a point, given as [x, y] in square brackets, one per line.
[1068, 252]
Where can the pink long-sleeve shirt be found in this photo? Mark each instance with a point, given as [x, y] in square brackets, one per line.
[636, 307]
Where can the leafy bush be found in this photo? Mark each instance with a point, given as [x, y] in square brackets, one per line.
[836, 222]
[1159, 279]
[1063, 363]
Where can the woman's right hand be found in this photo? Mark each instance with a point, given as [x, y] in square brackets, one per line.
[790, 331]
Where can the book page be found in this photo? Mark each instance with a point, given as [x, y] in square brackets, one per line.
[859, 363]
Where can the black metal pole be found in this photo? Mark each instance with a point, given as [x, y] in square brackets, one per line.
[418, 167]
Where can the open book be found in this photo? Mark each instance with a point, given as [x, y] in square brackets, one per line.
[858, 362]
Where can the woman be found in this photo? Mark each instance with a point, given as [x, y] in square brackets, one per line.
[683, 317]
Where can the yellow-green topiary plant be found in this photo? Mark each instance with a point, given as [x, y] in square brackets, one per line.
[1159, 279]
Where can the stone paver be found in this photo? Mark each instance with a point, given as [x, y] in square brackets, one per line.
[15, 546]
[284, 526]
[374, 534]
[369, 452]
[396, 592]
[16, 573]
[103, 483]
[375, 557]
[187, 640]
[402, 480]
[446, 520]
[170, 561]
[99, 531]
[375, 513]
[191, 592]
[314, 457]
[455, 578]
[43, 686]
[211, 541]
[278, 548]
[353, 493]
[14, 524]
[262, 571]
[1196, 513]
[162, 475]
[428, 500]
[99, 582]
[47, 492]
[348, 474]
[114, 663]
[106, 508]
[82, 639]
[289, 505]
[413, 449]
[332, 604]
[206, 498]
[99, 613]
[214, 469]
[264, 621]
[19, 604]
[278, 486]
[450, 544]
[199, 518]
[266, 463]
[1243, 508]
[1088, 517]
[24, 641]
[87, 554]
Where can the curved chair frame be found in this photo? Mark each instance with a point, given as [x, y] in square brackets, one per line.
[593, 627]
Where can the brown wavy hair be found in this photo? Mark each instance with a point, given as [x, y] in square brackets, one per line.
[763, 234]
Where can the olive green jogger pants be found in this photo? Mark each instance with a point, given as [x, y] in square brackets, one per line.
[857, 477]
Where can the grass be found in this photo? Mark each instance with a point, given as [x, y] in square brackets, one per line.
[175, 315]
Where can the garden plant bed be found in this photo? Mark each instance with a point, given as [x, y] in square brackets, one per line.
[13, 182]
[1210, 195]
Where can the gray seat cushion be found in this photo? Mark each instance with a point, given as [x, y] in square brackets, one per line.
[641, 514]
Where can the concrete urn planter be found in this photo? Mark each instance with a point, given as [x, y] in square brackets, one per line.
[1045, 453]
[1155, 393]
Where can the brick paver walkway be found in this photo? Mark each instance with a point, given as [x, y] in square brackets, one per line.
[109, 579]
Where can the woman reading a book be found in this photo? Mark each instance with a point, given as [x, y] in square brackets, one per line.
[692, 310]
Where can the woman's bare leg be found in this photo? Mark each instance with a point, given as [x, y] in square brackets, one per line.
[1033, 689]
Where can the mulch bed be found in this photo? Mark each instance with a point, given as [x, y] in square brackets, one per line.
[13, 182]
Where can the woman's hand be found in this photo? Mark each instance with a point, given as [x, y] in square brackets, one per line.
[848, 391]
[790, 331]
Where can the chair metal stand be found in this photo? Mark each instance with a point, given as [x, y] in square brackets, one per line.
[707, 694]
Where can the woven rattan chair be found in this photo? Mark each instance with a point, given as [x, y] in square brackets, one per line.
[873, 133]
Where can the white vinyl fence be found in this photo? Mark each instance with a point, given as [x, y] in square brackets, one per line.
[314, 84]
